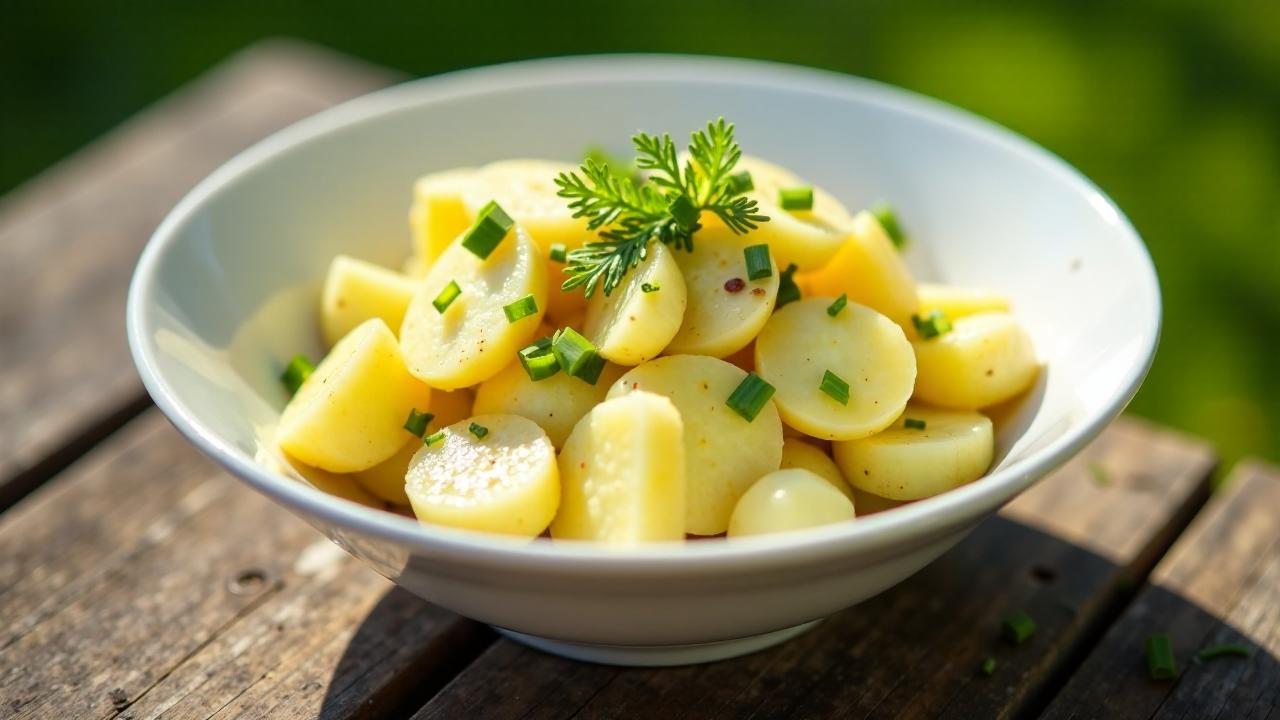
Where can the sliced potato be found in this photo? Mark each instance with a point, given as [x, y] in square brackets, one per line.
[901, 463]
[355, 290]
[724, 453]
[797, 453]
[630, 325]
[505, 482]
[870, 271]
[622, 473]
[788, 500]
[957, 302]
[386, 479]
[985, 359]
[864, 348]
[339, 485]
[556, 403]
[471, 341]
[725, 309]
[349, 414]
[438, 214]
[869, 504]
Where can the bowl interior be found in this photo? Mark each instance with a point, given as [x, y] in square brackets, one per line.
[227, 291]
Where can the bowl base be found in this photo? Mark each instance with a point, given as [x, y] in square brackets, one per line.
[659, 655]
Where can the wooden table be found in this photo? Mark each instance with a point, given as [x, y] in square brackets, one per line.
[138, 580]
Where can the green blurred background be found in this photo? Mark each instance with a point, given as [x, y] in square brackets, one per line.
[1173, 108]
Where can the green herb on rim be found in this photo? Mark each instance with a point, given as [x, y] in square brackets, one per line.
[1018, 627]
[932, 325]
[446, 297]
[759, 266]
[538, 361]
[521, 309]
[913, 424]
[478, 430]
[797, 198]
[296, 373]
[418, 421]
[835, 387]
[1160, 663]
[788, 291]
[888, 220]
[749, 398]
[491, 226]
[834, 308]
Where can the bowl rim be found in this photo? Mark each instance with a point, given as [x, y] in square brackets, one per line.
[952, 510]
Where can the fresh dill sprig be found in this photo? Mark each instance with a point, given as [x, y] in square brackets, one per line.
[665, 207]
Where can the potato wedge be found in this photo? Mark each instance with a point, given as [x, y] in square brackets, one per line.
[870, 271]
[355, 290]
[386, 479]
[957, 302]
[984, 360]
[556, 403]
[788, 500]
[438, 214]
[797, 453]
[630, 325]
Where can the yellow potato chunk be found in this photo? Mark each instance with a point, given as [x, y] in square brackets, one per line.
[957, 302]
[438, 214]
[984, 360]
[471, 341]
[859, 345]
[789, 499]
[355, 290]
[386, 479]
[505, 482]
[723, 452]
[349, 415]
[797, 453]
[905, 463]
[622, 474]
[556, 403]
[870, 271]
[630, 325]
[725, 309]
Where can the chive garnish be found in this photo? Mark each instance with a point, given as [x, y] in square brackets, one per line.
[834, 308]
[684, 211]
[521, 309]
[835, 387]
[758, 265]
[749, 398]
[418, 421]
[491, 226]
[433, 438]
[931, 325]
[741, 182]
[296, 373]
[559, 252]
[888, 220]
[913, 424]
[650, 287]
[1018, 627]
[577, 355]
[1224, 650]
[446, 297]
[538, 360]
[788, 291]
[797, 198]
[1160, 664]
[988, 667]
[478, 430]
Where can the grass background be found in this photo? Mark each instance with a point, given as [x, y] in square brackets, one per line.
[1172, 107]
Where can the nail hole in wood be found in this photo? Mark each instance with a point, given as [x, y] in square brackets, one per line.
[248, 582]
[1043, 574]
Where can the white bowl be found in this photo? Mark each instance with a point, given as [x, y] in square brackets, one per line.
[226, 290]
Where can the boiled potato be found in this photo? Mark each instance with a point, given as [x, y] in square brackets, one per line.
[797, 453]
[985, 359]
[869, 270]
[788, 500]
[556, 403]
[630, 325]
[902, 463]
[438, 215]
[723, 452]
[622, 473]
[343, 486]
[386, 479]
[355, 290]
[864, 348]
[349, 415]
[868, 504]
[725, 309]
[957, 302]
[505, 482]
[471, 341]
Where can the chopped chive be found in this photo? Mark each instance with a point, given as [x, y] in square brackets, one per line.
[559, 252]
[296, 373]
[758, 265]
[931, 325]
[1018, 627]
[433, 438]
[590, 372]
[788, 291]
[888, 220]
[446, 297]
[988, 667]
[834, 308]
[835, 387]
[521, 309]
[684, 211]
[577, 355]
[538, 360]
[650, 287]
[741, 182]
[478, 430]
[1223, 650]
[491, 226]
[797, 198]
[417, 422]
[913, 424]
[749, 398]
[1160, 664]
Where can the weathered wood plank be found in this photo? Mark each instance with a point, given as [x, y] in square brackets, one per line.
[145, 580]
[69, 239]
[914, 651]
[1219, 584]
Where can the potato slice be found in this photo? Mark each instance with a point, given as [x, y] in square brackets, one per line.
[386, 479]
[556, 403]
[472, 340]
[505, 482]
[904, 463]
[861, 346]
[438, 214]
[797, 453]
[725, 309]
[630, 325]
[355, 290]
[349, 414]
[870, 271]
[724, 453]
[984, 360]
[957, 302]
[622, 473]
[788, 500]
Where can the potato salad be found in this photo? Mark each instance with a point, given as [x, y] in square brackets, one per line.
[697, 343]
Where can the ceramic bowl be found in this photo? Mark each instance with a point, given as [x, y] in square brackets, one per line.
[227, 289]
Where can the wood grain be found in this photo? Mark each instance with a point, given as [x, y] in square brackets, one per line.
[69, 239]
[1219, 584]
[914, 651]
